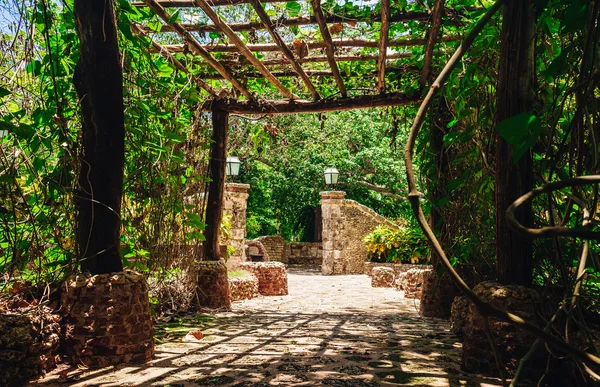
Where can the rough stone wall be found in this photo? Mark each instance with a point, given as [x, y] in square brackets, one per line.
[212, 290]
[235, 204]
[272, 277]
[398, 267]
[29, 345]
[512, 343]
[345, 224]
[304, 253]
[255, 247]
[383, 277]
[413, 282]
[243, 288]
[275, 247]
[107, 319]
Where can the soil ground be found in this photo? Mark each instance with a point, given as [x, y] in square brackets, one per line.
[329, 331]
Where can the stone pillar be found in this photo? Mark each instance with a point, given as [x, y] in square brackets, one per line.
[235, 204]
[333, 232]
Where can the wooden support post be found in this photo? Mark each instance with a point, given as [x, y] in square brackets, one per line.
[383, 43]
[216, 170]
[329, 47]
[438, 12]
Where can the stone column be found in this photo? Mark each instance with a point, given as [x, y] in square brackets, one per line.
[333, 232]
[235, 204]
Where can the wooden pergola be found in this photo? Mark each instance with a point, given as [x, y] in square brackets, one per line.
[233, 62]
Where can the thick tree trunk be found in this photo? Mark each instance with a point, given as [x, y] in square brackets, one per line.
[99, 82]
[214, 203]
[439, 291]
[515, 95]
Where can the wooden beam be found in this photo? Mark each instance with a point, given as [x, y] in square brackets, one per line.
[316, 73]
[216, 170]
[346, 58]
[242, 48]
[272, 47]
[383, 43]
[192, 3]
[298, 21]
[299, 106]
[329, 47]
[177, 64]
[438, 12]
[196, 47]
[284, 48]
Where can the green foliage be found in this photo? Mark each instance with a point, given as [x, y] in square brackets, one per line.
[403, 245]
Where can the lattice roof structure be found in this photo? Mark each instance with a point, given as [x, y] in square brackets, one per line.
[295, 56]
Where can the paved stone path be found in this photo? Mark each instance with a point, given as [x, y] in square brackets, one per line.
[329, 331]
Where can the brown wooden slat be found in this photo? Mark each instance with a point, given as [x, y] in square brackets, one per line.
[178, 65]
[243, 48]
[192, 3]
[299, 21]
[197, 47]
[383, 43]
[343, 58]
[284, 48]
[300, 106]
[270, 47]
[315, 73]
[438, 12]
[329, 47]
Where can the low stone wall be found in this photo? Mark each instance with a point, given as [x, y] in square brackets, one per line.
[275, 247]
[413, 282]
[255, 247]
[272, 277]
[29, 345]
[437, 295]
[383, 277]
[243, 288]
[458, 315]
[107, 320]
[304, 253]
[398, 267]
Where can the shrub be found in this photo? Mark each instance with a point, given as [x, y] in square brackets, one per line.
[404, 245]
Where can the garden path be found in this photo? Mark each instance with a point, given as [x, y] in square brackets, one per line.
[329, 331]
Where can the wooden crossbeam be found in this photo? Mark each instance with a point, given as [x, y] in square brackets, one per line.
[383, 43]
[272, 47]
[316, 73]
[299, 21]
[329, 47]
[300, 106]
[284, 48]
[196, 47]
[438, 12]
[243, 48]
[338, 58]
[176, 63]
[192, 3]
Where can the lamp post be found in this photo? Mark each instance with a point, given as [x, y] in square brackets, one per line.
[233, 166]
[331, 176]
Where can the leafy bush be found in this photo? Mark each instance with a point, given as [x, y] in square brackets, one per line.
[404, 245]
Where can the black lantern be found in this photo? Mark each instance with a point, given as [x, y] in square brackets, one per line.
[233, 166]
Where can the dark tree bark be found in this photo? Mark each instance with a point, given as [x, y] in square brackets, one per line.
[515, 95]
[216, 167]
[99, 82]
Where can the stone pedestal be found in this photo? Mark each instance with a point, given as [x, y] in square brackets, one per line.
[334, 235]
[213, 286]
[235, 204]
[272, 277]
[437, 295]
[413, 282]
[511, 342]
[243, 288]
[383, 277]
[107, 319]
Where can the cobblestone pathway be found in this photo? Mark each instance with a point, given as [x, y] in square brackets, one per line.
[329, 331]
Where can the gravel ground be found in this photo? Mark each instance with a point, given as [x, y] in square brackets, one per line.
[329, 331]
